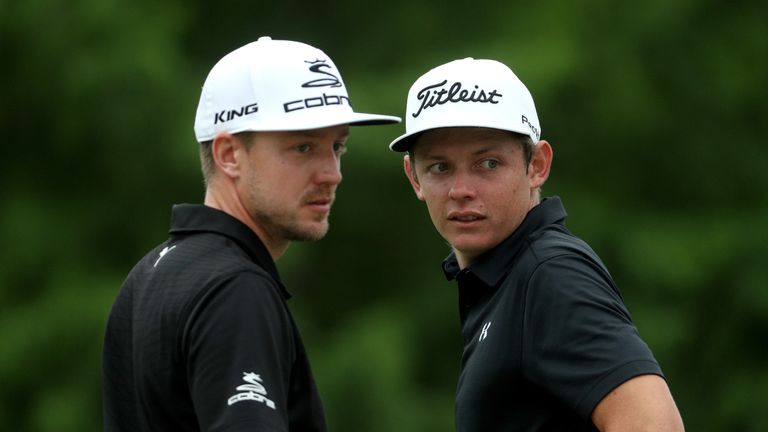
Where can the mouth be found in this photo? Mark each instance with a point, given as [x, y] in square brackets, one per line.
[465, 218]
[322, 205]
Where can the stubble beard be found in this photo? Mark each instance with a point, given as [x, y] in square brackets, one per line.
[283, 223]
[286, 227]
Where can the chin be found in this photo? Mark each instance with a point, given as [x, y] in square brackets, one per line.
[306, 231]
[471, 250]
[474, 247]
[314, 232]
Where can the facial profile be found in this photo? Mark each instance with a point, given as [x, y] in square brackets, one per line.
[289, 184]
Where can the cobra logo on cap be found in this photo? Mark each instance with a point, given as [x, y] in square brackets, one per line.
[319, 66]
[330, 80]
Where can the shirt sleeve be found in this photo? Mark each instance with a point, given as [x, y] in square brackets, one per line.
[239, 351]
[579, 340]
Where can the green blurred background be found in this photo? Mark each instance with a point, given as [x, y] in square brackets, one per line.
[657, 112]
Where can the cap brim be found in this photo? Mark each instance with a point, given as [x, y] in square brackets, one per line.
[319, 121]
[309, 122]
[405, 142]
[364, 119]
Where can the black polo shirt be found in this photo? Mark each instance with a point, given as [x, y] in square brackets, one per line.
[546, 332]
[200, 337]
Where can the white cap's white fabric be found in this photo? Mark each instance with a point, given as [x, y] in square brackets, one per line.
[276, 85]
[469, 93]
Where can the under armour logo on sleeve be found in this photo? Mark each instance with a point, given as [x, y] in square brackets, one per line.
[484, 332]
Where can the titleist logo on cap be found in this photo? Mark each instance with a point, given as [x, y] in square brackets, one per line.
[437, 94]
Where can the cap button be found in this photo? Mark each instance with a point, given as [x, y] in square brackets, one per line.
[265, 38]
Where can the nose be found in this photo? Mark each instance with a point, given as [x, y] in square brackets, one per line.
[329, 171]
[462, 188]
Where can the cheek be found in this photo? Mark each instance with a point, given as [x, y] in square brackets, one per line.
[433, 202]
[513, 204]
[247, 181]
[435, 189]
[433, 194]
[435, 212]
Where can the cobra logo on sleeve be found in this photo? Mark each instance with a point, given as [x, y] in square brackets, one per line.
[254, 391]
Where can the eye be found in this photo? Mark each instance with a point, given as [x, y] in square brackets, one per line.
[339, 148]
[437, 168]
[489, 163]
[303, 148]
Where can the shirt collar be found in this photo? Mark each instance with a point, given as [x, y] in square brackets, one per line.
[494, 264]
[198, 218]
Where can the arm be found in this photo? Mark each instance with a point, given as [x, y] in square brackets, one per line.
[584, 349]
[643, 403]
[238, 354]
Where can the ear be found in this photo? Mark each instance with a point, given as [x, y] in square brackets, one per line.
[226, 151]
[541, 161]
[412, 178]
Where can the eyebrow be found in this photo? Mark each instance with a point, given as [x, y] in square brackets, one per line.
[484, 149]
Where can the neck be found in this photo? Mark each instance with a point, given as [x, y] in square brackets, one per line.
[464, 260]
[230, 202]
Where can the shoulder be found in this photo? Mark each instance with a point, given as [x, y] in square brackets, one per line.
[568, 283]
[202, 262]
[579, 338]
[221, 284]
[253, 283]
[556, 241]
[245, 303]
[246, 289]
[185, 270]
[555, 259]
[213, 252]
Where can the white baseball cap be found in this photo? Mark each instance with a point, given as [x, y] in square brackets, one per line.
[276, 85]
[468, 93]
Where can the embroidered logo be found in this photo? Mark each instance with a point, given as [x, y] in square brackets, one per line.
[227, 115]
[534, 129]
[163, 252]
[437, 94]
[484, 332]
[254, 391]
[329, 80]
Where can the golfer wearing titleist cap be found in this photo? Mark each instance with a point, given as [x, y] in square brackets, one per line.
[200, 337]
[548, 342]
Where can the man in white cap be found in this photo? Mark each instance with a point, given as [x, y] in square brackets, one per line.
[548, 342]
[200, 337]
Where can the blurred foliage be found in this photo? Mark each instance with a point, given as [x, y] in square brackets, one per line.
[656, 110]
